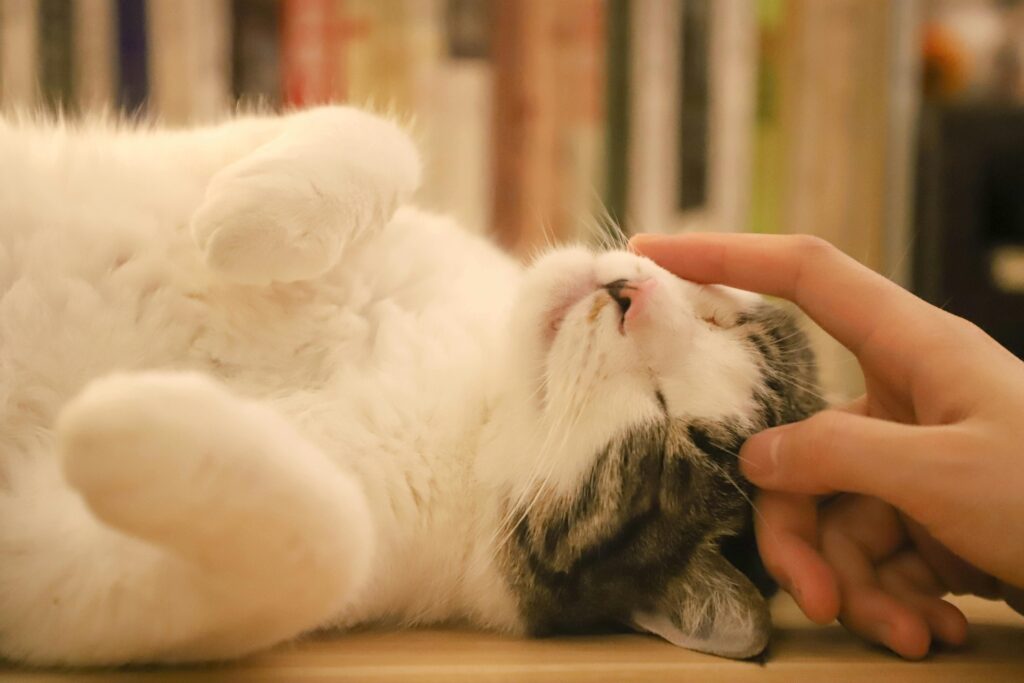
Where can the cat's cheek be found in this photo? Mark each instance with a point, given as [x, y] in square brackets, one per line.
[551, 286]
[664, 338]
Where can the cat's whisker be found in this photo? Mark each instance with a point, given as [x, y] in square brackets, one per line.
[591, 233]
[797, 384]
[562, 426]
[746, 496]
[539, 459]
[609, 225]
[537, 483]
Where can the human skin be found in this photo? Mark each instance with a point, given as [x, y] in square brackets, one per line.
[873, 511]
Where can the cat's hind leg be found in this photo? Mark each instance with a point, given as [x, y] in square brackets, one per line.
[209, 529]
[285, 212]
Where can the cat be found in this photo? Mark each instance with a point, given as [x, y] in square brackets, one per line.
[247, 390]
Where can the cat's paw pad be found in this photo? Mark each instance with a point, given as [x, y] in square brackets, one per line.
[136, 446]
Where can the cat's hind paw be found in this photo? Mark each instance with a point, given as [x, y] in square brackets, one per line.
[178, 460]
[137, 447]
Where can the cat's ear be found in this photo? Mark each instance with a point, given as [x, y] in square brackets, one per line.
[712, 608]
[723, 305]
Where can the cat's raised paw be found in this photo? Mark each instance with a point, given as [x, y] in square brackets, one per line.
[286, 212]
[259, 226]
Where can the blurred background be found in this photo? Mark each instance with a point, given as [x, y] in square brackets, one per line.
[893, 128]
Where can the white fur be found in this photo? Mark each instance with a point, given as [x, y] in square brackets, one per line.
[247, 391]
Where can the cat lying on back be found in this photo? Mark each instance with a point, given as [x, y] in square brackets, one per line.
[247, 391]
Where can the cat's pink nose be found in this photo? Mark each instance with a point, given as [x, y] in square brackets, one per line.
[632, 296]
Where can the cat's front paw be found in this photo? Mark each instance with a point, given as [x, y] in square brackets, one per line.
[263, 225]
[286, 212]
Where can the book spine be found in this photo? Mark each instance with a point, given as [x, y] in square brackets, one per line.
[653, 100]
[310, 49]
[210, 61]
[55, 54]
[690, 202]
[452, 83]
[768, 162]
[363, 56]
[618, 115]
[168, 54]
[905, 75]
[93, 49]
[133, 87]
[732, 70]
[525, 131]
[580, 62]
[256, 48]
[188, 65]
[19, 54]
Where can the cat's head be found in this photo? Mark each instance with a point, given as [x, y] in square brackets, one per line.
[630, 394]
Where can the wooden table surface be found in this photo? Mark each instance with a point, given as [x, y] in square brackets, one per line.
[799, 651]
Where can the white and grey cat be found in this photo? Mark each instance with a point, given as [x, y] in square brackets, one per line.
[247, 391]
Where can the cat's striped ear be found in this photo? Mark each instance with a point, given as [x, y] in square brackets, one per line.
[723, 306]
[711, 608]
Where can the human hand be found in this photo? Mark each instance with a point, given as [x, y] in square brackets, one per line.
[933, 448]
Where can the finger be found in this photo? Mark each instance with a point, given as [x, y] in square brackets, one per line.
[877, 616]
[786, 528]
[836, 451]
[850, 301]
[858, 406]
[862, 536]
[909, 578]
[873, 525]
[1014, 597]
[956, 575]
[866, 609]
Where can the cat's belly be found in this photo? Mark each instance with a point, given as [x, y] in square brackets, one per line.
[125, 306]
[387, 372]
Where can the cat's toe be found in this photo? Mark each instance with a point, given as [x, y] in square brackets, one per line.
[263, 228]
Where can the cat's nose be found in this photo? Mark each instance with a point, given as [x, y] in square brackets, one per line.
[619, 292]
[631, 296]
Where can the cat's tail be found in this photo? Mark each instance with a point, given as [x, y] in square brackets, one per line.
[179, 523]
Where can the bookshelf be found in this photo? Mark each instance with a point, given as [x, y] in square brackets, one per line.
[545, 121]
[535, 117]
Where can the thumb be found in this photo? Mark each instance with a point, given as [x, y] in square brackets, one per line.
[838, 451]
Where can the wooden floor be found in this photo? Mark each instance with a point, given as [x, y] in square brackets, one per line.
[799, 651]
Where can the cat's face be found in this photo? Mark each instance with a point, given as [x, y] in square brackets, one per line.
[633, 391]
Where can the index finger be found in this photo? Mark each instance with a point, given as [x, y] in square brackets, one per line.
[848, 300]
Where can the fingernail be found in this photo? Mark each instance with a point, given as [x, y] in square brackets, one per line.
[766, 462]
[642, 240]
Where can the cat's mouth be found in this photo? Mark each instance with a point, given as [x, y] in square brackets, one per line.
[628, 295]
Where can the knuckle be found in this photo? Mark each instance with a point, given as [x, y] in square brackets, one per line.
[970, 329]
[812, 247]
[824, 432]
[831, 536]
[958, 327]
[810, 455]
